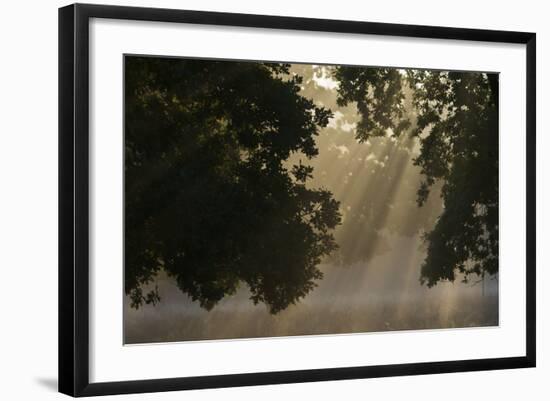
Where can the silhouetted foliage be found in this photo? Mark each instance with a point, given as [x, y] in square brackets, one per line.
[379, 97]
[208, 196]
[457, 127]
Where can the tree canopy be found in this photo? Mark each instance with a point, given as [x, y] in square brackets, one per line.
[456, 123]
[208, 196]
[214, 198]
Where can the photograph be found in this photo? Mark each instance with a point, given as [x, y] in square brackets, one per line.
[270, 199]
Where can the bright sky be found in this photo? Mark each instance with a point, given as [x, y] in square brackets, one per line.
[322, 78]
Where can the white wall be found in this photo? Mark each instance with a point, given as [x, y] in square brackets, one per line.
[28, 199]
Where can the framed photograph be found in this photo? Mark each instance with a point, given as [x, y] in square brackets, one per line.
[250, 199]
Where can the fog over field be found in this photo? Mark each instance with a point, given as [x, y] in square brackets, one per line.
[385, 295]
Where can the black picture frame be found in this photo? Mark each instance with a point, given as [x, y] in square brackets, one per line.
[74, 198]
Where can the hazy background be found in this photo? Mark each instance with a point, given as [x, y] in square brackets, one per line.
[371, 283]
